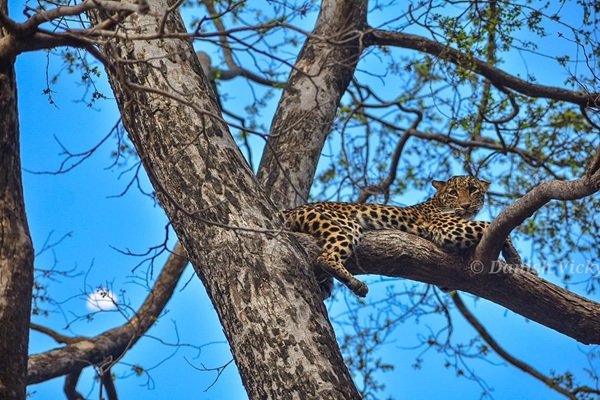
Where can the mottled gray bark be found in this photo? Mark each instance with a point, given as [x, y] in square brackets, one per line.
[398, 254]
[310, 100]
[16, 251]
[263, 290]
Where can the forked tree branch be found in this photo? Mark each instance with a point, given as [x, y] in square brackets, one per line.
[206, 187]
[514, 215]
[377, 37]
[113, 343]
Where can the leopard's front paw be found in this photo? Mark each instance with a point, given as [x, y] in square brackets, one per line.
[358, 287]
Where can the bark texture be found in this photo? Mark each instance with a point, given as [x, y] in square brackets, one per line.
[398, 254]
[265, 294]
[310, 100]
[16, 251]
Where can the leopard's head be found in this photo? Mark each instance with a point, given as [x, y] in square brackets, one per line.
[462, 195]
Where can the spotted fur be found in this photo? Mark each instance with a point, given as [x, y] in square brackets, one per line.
[444, 219]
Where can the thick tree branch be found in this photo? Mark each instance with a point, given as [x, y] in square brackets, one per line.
[309, 102]
[495, 75]
[114, 342]
[398, 254]
[511, 217]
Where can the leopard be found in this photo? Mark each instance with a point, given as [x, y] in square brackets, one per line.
[444, 219]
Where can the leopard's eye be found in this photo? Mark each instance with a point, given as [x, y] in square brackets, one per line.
[452, 192]
[473, 189]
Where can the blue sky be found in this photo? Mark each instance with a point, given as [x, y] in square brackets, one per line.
[80, 203]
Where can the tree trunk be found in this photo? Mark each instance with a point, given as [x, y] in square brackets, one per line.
[16, 251]
[264, 293]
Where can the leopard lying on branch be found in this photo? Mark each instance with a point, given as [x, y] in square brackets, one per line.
[443, 219]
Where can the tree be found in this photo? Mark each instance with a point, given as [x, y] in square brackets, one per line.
[457, 99]
[16, 251]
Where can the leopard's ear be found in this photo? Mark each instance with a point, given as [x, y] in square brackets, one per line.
[485, 185]
[438, 184]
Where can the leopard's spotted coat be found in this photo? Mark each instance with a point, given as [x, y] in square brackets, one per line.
[444, 219]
